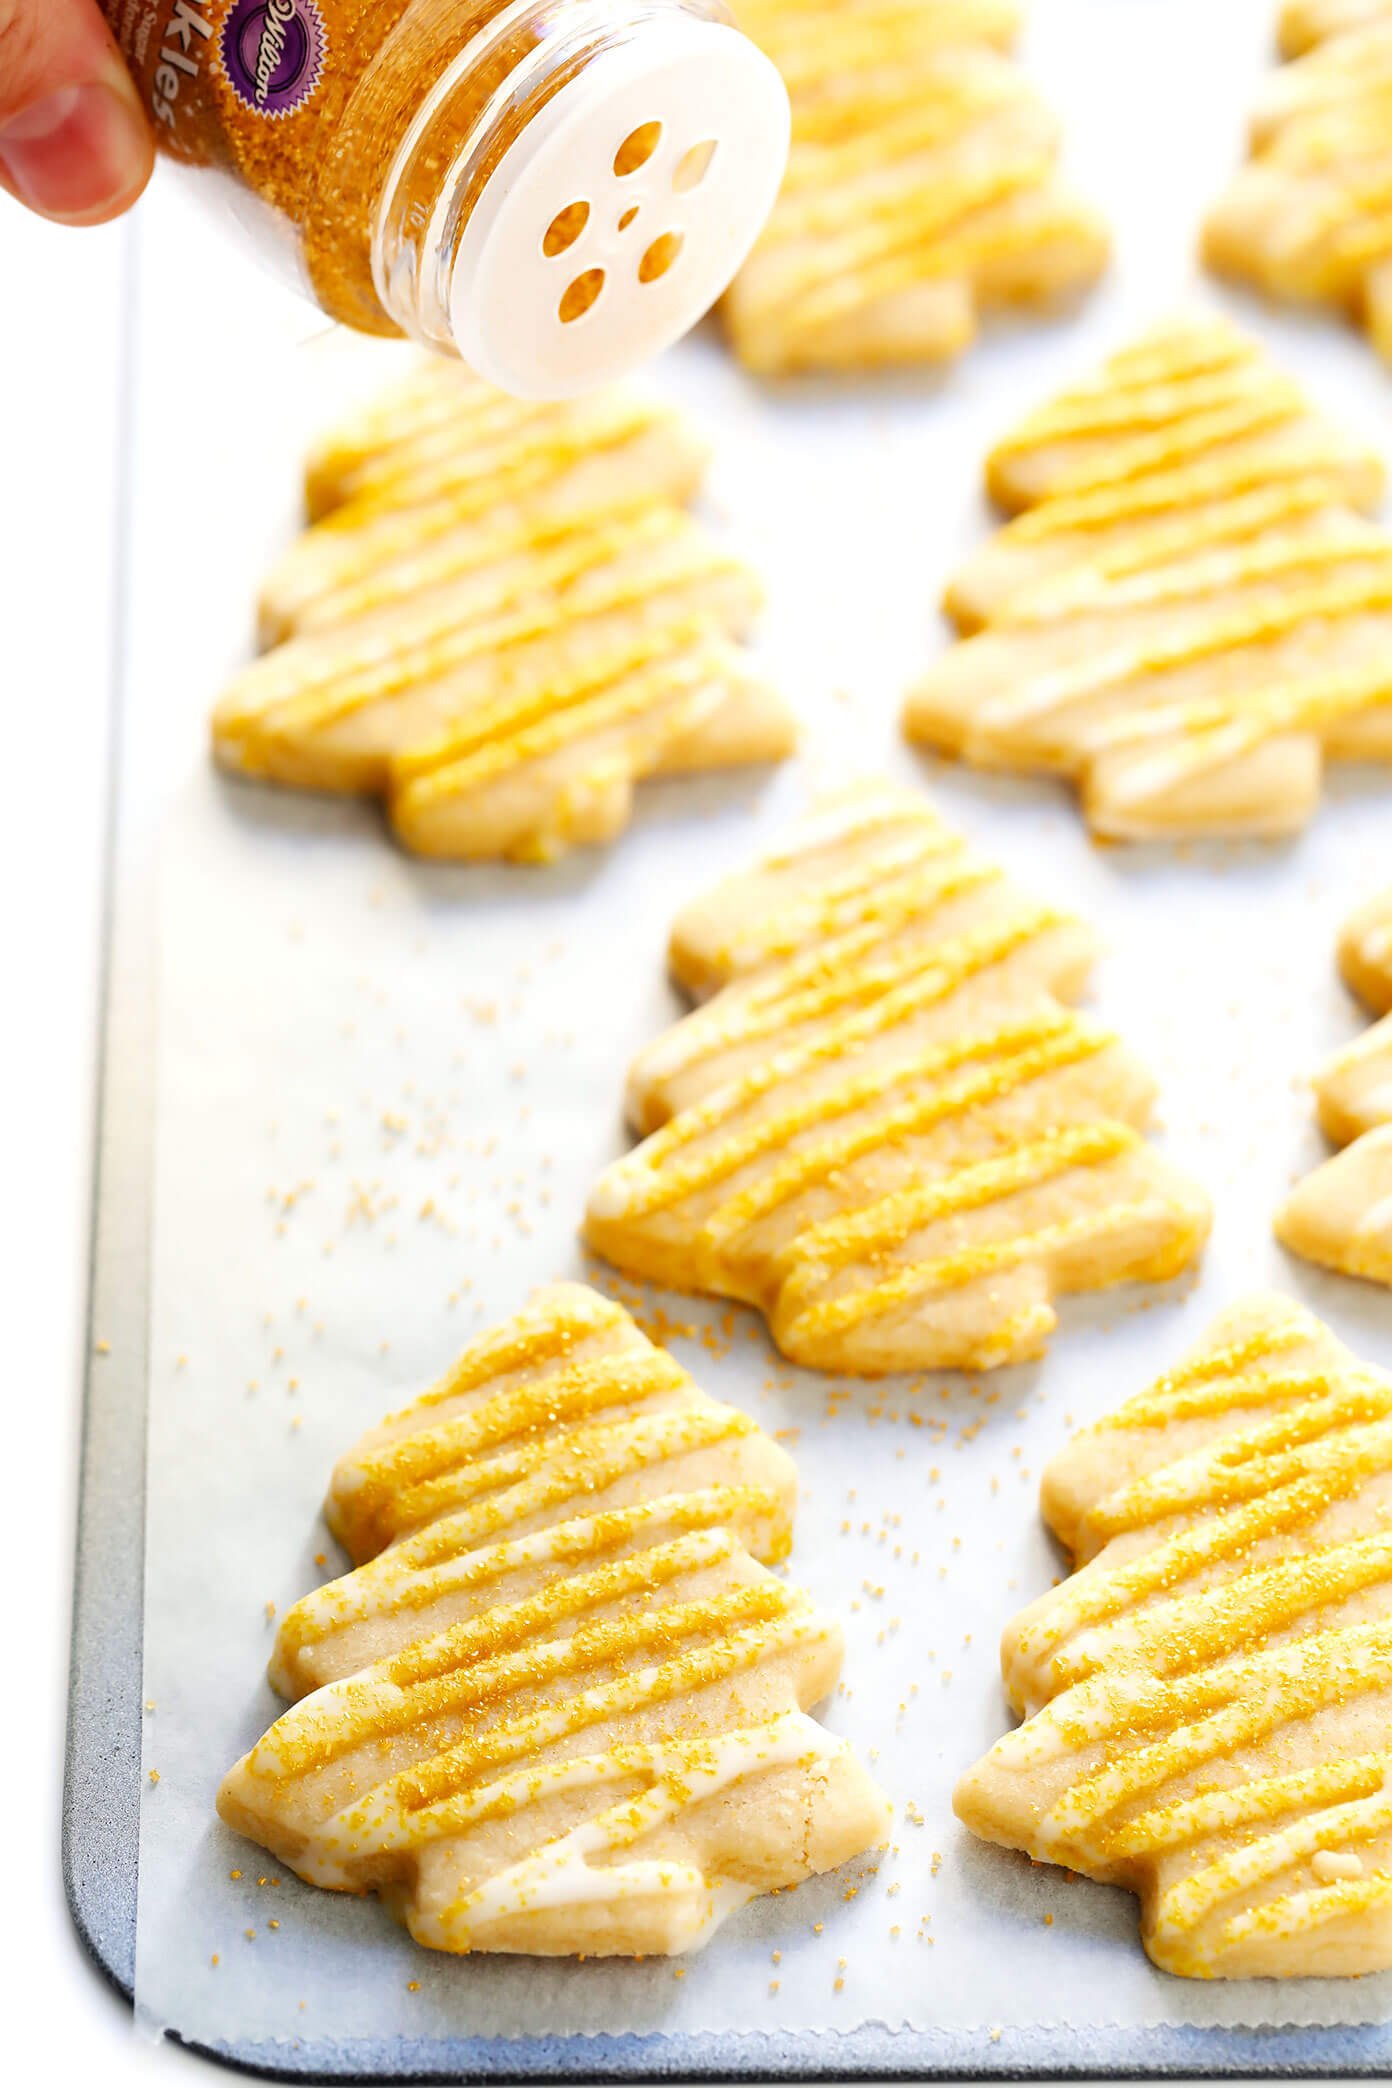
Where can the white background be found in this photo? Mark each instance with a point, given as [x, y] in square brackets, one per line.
[59, 374]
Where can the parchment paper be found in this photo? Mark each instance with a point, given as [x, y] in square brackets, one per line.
[384, 1090]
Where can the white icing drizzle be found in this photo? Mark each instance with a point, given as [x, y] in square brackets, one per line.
[566, 1872]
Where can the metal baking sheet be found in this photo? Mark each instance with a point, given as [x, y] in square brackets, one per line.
[274, 963]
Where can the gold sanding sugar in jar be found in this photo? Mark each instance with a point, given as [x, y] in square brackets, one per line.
[511, 180]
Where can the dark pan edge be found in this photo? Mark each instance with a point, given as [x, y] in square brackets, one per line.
[101, 1783]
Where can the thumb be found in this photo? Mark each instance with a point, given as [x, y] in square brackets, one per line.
[74, 142]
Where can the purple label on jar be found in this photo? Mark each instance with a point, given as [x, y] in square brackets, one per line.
[273, 53]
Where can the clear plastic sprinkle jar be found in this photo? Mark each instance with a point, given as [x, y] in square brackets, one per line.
[553, 189]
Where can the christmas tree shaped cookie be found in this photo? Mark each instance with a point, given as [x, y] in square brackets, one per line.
[1209, 1695]
[886, 1128]
[1341, 1215]
[500, 619]
[560, 1706]
[922, 188]
[1309, 218]
[1191, 611]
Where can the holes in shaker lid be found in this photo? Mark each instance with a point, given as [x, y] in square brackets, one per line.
[580, 296]
[627, 219]
[637, 148]
[693, 166]
[565, 228]
[660, 256]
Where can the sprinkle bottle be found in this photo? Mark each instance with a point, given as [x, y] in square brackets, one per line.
[554, 190]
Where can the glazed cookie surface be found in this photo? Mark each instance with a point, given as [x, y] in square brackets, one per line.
[1208, 1695]
[1341, 1215]
[561, 1704]
[886, 1128]
[922, 189]
[1191, 612]
[1309, 218]
[501, 618]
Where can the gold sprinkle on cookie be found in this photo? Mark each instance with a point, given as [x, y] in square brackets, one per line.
[922, 188]
[1309, 218]
[1191, 609]
[1207, 1698]
[561, 1704]
[1341, 1215]
[500, 619]
[886, 1128]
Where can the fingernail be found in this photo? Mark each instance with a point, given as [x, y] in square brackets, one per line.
[77, 153]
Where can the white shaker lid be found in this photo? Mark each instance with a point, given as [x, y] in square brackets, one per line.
[571, 272]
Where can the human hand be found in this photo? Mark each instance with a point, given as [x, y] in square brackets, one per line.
[74, 142]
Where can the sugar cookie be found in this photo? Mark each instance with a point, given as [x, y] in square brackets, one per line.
[1304, 23]
[1341, 1215]
[1309, 218]
[1365, 954]
[922, 189]
[886, 1129]
[1208, 1696]
[1192, 613]
[560, 1706]
[501, 618]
